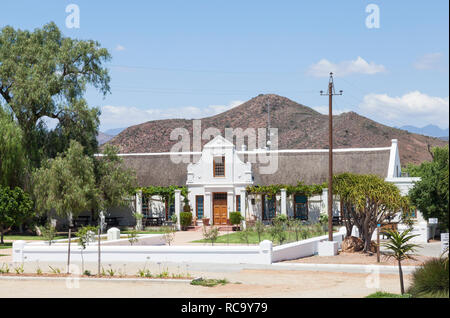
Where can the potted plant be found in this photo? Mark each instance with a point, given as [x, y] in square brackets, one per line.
[186, 207]
[205, 221]
[185, 220]
[235, 220]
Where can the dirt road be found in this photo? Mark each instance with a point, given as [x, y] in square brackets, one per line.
[245, 283]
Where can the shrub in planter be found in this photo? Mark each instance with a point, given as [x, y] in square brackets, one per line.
[431, 279]
[281, 218]
[185, 219]
[235, 218]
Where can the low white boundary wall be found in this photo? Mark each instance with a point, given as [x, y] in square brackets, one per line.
[261, 254]
[264, 253]
[303, 248]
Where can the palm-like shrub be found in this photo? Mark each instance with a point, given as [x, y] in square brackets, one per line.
[400, 249]
[431, 279]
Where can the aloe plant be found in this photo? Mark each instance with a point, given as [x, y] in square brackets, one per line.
[399, 248]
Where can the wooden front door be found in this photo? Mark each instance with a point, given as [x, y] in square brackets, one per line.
[220, 208]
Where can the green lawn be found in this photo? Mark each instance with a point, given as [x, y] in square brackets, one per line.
[28, 237]
[236, 238]
[387, 295]
[144, 232]
[5, 246]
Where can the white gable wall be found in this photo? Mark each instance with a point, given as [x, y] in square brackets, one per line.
[201, 180]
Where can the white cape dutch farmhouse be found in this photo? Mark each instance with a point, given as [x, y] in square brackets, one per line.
[217, 178]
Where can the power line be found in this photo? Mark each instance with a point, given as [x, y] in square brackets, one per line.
[169, 69]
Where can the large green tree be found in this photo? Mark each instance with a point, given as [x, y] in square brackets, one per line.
[115, 183]
[369, 200]
[431, 194]
[66, 184]
[44, 74]
[15, 206]
[13, 158]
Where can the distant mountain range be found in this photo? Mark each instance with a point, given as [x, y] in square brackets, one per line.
[299, 127]
[114, 132]
[429, 130]
[104, 137]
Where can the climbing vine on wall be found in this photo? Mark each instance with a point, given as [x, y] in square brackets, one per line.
[166, 193]
[274, 189]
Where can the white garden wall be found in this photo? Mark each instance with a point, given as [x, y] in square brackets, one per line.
[303, 248]
[261, 254]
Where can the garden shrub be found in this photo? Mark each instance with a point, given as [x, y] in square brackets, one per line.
[185, 219]
[210, 234]
[235, 218]
[431, 279]
[259, 229]
[323, 219]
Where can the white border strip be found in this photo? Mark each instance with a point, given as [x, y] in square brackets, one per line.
[104, 279]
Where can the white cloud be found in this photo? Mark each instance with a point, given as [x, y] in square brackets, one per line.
[430, 61]
[413, 108]
[358, 66]
[120, 48]
[121, 116]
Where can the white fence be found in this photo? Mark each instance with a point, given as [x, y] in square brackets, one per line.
[264, 253]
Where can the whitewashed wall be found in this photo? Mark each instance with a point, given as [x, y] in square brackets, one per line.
[261, 254]
[264, 253]
[303, 248]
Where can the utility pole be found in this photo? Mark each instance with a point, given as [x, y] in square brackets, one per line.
[330, 94]
[268, 142]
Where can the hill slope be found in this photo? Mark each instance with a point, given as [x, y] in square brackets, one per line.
[299, 127]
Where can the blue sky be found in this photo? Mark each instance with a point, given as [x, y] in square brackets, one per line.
[194, 59]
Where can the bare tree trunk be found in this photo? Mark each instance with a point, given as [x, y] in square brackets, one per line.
[68, 252]
[1, 235]
[368, 239]
[82, 262]
[99, 252]
[400, 272]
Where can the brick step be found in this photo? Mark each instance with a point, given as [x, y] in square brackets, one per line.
[225, 228]
[194, 228]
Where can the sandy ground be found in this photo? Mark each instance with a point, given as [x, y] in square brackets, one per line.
[245, 283]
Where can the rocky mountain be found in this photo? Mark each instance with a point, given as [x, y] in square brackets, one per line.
[299, 127]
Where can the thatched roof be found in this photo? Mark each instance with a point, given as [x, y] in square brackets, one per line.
[312, 168]
[157, 170]
[308, 167]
